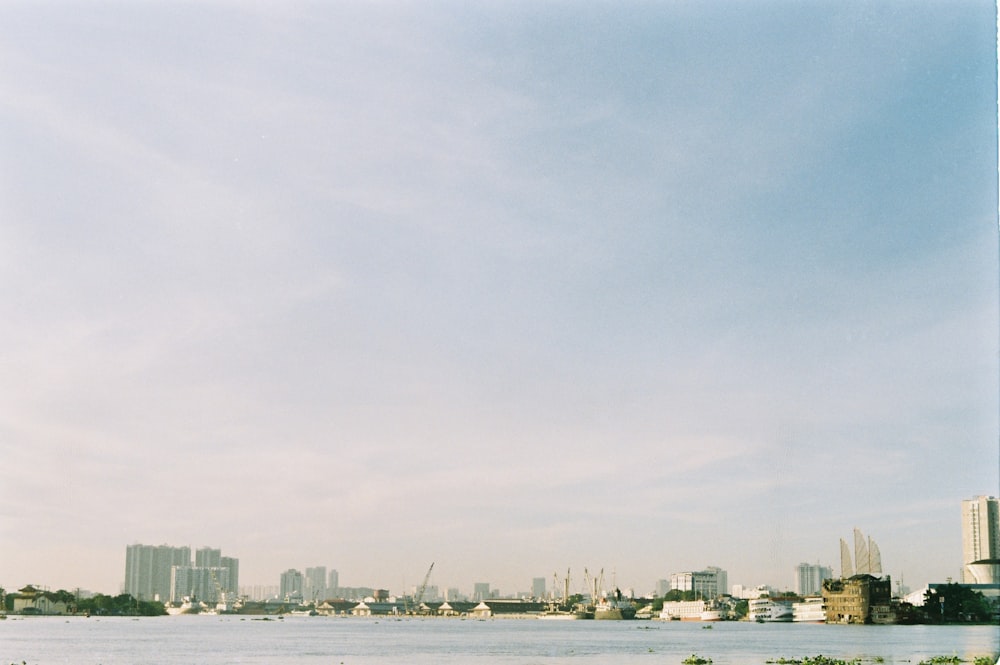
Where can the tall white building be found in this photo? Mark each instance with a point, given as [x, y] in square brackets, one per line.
[333, 583]
[207, 557]
[291, 585]
[721, 580]
[809, 578]
[147, 569]
[231, 564]
[200, 582]
[149, 573]
[981, 540]
[314, 584]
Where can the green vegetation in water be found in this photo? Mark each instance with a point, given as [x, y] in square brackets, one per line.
[814, 660]
[955, 660]
[695, 659]
[824, 660]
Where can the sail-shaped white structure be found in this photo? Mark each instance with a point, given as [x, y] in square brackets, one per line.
[861, 561]
[846, 568]
[874, 558]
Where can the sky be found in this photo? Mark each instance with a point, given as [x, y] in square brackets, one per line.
[510, 287]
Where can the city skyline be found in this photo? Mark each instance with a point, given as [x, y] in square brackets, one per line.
[509, 287]
[313, 583]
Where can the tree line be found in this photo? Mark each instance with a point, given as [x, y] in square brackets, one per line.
[99, 604]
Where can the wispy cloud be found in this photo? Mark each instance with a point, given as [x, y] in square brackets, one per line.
[495, 274]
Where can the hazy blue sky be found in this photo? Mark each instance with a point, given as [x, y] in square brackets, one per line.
[507, 286]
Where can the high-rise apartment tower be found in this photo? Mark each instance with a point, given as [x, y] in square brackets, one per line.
[147, 569]
[981, 540]
[809, 578]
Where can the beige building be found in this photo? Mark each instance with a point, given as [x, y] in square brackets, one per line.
[858, 599]
[981, 540]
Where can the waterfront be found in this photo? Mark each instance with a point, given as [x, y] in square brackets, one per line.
[221, 640]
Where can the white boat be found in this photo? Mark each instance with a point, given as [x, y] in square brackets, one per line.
[809, 610]
[767, 610]
[560, 616]
[189, 605]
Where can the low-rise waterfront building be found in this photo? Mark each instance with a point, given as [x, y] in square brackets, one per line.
[859, 599]
[30, 600]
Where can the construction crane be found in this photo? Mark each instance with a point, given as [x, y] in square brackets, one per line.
[418, 598]
[222, 601]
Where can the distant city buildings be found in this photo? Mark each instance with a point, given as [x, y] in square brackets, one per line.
[809, 578]
[259, 592]
[290, 588]
[165, 573]
[480, 591]
[538, 587]
[709, 583]
[147, 569]
[314, 584]
[168, 574]
[981, 540]
[205, 583]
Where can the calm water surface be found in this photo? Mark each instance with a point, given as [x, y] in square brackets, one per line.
[370, 641]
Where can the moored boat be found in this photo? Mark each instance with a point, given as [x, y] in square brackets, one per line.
[189, 605]
[767, 610]
[565, 615]
[614, 608]
[711, 615]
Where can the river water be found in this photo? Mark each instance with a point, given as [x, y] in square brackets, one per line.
[218, 640]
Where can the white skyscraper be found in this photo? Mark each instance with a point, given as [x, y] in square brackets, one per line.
[291, 585]
[147, 569]
[981, 540]
[809, 578]
[201, 582]
[231, 564]
[314, 584]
